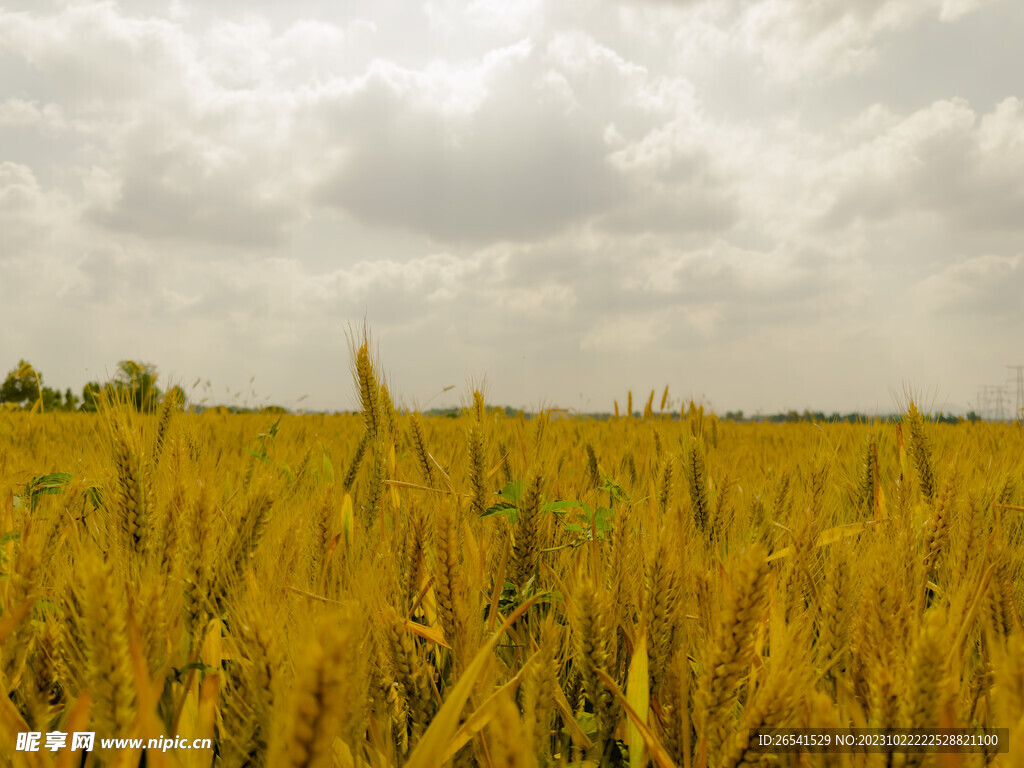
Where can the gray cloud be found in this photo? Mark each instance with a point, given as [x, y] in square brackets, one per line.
[517, 165]
[92, 55]
[750, 200]
[188, 188]
[945, 160]
[987, 286]
[22, 214]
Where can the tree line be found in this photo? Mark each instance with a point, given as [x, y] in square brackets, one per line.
[134, 382]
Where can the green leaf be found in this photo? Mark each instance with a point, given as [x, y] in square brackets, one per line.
[51, 483]
[610, 486]
[587, 522]
[512, 492]
[603, 519]
[93, 494]
[587, 723]
[259, 455]
[560, 506]
[503, 508]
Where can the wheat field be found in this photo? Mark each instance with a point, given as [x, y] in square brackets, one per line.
[389, 589]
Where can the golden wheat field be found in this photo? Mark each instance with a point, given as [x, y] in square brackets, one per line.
[386, 589]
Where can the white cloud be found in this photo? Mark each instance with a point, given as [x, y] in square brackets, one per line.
[962, 170]
[19, 112]
[509, 16]
[94, 54]
[832, 38]
[988, 285]
[174, 184]
[508, 167]
[542, 192]
[29, 215]
[951, 10]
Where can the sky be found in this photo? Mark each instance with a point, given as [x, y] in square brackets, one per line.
[763, 204]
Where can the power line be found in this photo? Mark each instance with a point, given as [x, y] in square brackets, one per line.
[985, 402]
[995, 399]
[1018, 379]
[1001, 393]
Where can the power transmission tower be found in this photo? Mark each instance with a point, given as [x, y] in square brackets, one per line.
[1000, 393]
[984, 402]
[1018, 379]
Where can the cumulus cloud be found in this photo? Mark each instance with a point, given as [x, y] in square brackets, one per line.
[490, 152]
[19, 112]
[609, 193]
[85, 50]
[20, 203]
[829, 39]
[961, 168]
[189, 131]
[30, 216]
[178, 185]
[988, 286]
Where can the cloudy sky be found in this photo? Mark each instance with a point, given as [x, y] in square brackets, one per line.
[767, 204]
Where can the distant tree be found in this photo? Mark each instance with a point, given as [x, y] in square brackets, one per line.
[91, 393]
[71, 400]
[134, 383]
[22, 386]
[52, 399]
[138, 382]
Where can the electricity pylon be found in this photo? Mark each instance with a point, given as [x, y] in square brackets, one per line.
[1018, 379]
